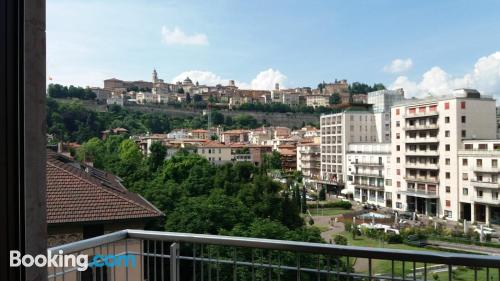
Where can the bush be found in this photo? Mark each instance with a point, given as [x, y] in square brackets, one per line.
[394, 239]
[311, 221]
[340, 239]
[337, 204]
[322, 194]
[348, 226]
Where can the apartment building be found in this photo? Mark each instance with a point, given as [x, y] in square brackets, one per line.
[216, 153]
[337, 131]
[309, 160]
[381, 102]
[426, 137]
[368, 165]
[317, 100]
[479, 185]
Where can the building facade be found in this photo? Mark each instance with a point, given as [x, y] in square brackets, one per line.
[426, 137]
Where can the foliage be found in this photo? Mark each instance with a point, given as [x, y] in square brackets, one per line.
[198, 197]
[337, 204]
[60, 91]
[322, 194]
[282, 108]
[71, 121]
[340, 239]
[362, 88]
[334, 98]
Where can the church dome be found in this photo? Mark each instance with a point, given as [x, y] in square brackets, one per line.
[187, 81]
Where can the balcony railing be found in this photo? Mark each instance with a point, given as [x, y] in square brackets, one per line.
[421, 127]
[186, 256]
[484, 184]
[488, 200]
[486, 169]
[420, 114]
[364, 174]
[421, 193]
[374, 164]
[369, 186]
[422, 140]
[422, 179]
[422, 152]
[424, 166]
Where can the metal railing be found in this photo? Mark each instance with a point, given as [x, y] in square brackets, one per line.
[187, 256]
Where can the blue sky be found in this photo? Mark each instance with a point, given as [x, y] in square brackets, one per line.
[439, 44]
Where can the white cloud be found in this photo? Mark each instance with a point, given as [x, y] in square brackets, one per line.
[399, 65]
[264, 80]
[176, 36]
[203, 77]
[484, 77]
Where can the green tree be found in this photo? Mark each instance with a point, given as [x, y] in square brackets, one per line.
[157, 154]
[334, 98]
[340, 239]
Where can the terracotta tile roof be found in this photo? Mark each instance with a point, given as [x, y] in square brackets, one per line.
[79, 193]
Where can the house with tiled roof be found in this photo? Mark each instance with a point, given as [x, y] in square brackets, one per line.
[84, 202]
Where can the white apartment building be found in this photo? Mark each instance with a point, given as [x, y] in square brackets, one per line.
[426, 137]
[368, 165]
[479, 185]
[309, 160]
[337, 131]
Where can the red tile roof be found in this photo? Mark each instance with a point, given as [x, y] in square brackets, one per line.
[79, 193]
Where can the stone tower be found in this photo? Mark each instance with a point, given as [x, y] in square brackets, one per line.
[155, 76]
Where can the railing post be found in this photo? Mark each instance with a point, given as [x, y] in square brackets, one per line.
[174, 262]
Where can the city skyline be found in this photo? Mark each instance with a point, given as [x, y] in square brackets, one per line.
[294, 44]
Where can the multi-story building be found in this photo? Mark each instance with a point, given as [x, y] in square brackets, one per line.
[309, 160]
[426, 137]
[337, 131]
[367, 170]
[381, 102]
[235, 136]
[479, 185]
[216, 153]
[317, 100]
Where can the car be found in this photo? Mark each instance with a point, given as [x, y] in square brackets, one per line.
[486, 230]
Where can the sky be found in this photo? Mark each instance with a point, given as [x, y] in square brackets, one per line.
[426, 46]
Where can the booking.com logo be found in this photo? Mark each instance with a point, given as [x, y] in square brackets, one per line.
[81, 261]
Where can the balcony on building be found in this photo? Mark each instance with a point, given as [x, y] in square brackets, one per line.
[416, 114]
[422, 166]
[418, 127]
[421, 192]
[484, 184]
[486, 169]
[433, 180]
[422, 140]
[418, 152]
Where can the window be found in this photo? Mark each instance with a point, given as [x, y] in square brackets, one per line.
[494, 195]
[399, 205]
[398, 172]
[447, 147]
[448, 189]
[483, 146]
[448, 214]
[448, 175]
[398, 148]
[399, 196]
[480, 193]
[465, 191]
[398, 159]
[479, 162]
[464, 162]
[397, 123]
[463, 119]
[398, 184]
[465, 176]
[468, 146]
[397, 136]
[462, 105]
[388, 182]
[397, 111]
[448, 203]
[446, 105]
[494, 163]
[447, 161]
[447, 133]
[447, 120]
[464, 133]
